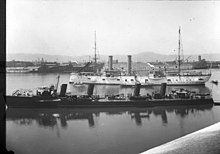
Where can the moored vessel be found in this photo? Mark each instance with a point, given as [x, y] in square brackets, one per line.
[49, 98]
[155, 77]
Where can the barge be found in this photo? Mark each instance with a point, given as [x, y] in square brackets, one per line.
[48, 100]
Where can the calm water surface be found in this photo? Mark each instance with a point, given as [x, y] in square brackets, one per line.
[103, 130]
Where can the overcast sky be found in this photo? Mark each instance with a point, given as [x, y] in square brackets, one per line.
[67, 27]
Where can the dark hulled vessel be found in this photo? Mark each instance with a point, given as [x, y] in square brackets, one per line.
[46, 100]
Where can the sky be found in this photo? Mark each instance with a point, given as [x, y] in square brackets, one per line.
[67, 27]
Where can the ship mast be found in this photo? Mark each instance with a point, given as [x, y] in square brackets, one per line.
[95, 49]
[179, 53]
[95, 58]
[58, 79]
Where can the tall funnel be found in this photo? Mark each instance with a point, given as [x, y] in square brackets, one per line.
[163, 89]
[137, 89]
[63, 90]
[90, 89]
[129, 65]
[110, 62]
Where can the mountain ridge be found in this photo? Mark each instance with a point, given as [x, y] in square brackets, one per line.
[139, 57]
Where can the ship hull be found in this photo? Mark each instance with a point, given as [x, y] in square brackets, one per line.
[34, 102]
[143, 80]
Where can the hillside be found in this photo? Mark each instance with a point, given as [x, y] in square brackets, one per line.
[140, 57]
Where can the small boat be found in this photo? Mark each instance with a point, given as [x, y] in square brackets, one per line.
[217, 103]
[215, 82]
[18, 70]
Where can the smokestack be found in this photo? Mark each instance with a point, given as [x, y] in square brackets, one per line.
[129, 65]
[163, 89]
[63, 90]
[137, 89]
[110, 62]
[199, 58]
[90, 89]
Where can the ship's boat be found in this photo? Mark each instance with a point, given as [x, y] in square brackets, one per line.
[215, 82]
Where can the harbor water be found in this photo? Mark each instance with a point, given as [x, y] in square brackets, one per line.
[102, 130]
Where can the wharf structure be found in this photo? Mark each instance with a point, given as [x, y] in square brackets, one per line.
[204, 141]
[45, 67]
[137, 67]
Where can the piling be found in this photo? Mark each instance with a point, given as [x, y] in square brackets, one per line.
[110, 62]
[137, 89]
[90, 89]
[163, 89]
[63, 90]
[129, 65]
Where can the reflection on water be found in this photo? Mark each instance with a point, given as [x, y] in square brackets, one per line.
[50, 117]
[103, 130]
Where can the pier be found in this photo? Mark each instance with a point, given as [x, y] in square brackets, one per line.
[204, 141]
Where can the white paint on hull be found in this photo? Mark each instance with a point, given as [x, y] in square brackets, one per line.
[144, 80]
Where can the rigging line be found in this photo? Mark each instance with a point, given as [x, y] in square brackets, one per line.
[50, 83]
